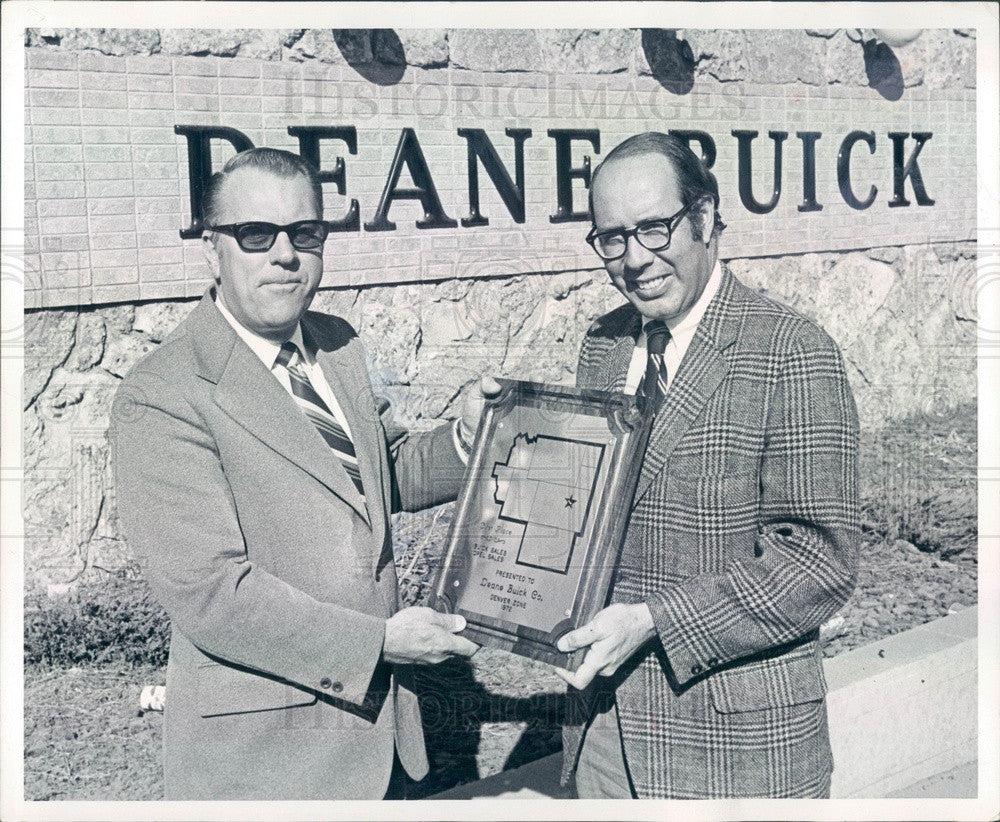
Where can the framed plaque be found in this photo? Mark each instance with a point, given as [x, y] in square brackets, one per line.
[539, 524]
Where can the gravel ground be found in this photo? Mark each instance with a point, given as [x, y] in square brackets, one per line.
[899, 587]
[85, 738]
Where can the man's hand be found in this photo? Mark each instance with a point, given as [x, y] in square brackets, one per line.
[422, 636]
[473, 404]
[612, 636]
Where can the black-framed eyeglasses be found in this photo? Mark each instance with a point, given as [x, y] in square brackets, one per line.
[305, 235]
[653, 235]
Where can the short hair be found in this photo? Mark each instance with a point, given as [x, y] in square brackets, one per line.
[275, 161]
[695, 180]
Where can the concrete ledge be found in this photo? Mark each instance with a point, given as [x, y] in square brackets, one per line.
[902, 721]
[958, 783]
[904, 709]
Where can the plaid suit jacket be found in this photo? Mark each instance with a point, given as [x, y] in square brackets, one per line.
[742, 540]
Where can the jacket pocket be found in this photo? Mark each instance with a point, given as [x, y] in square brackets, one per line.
[223, 689]
[770, 683]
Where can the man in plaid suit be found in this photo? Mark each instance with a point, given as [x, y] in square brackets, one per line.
[703, 676]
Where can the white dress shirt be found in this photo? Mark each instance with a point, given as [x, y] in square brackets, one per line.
[268, 352]
[682, 330]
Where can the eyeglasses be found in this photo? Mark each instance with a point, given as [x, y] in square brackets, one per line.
[305, 235]
[653, 235]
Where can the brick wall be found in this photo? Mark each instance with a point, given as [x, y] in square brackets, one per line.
[106, 176]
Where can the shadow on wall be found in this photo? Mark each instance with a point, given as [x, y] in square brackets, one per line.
[379, 57]
[376, 54]
[670, 60]
[885, 75]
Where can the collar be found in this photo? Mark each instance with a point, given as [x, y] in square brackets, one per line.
[265, 350]
[684, 325]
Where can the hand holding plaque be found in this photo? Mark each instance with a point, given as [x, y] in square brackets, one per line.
[610, 639]
[539, 524]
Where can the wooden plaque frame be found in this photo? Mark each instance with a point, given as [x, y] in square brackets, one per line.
[544, 421]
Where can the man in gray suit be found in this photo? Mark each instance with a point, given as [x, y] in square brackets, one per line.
[703, 677]
[255, 474]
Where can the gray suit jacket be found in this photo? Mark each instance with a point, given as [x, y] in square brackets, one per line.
[742, 539]
[276, 576]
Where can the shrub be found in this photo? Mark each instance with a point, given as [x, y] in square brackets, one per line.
[918, 482]
[104, 620]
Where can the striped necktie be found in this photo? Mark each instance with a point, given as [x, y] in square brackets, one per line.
[654, 383]
[319, 413]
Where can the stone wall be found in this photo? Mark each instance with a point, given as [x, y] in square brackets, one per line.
[903, 316]
[107, 275]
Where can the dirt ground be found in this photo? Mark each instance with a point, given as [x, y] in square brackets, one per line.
[85, 737]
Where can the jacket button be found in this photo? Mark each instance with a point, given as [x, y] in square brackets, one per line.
[713, 662]
[696, 669]
[336, 687]
[326, 683]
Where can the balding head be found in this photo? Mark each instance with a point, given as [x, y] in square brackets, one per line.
[694, 181]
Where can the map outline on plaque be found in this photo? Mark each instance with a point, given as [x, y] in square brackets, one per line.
[538, 515]
[540, 521]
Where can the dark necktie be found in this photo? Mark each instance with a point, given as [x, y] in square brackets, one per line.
[319, 413]
[654, 383]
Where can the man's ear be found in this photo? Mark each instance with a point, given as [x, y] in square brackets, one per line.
[211, 254]
[706, 221]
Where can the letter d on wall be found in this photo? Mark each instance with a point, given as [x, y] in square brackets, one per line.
[199, 142]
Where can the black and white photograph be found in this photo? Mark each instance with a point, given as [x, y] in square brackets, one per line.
[267, 291]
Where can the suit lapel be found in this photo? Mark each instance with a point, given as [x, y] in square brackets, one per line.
[253, 398]
[619, 359]
[699, 375]
[612, 371]
[351, 387]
